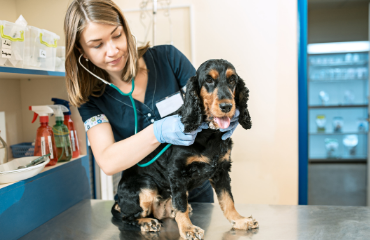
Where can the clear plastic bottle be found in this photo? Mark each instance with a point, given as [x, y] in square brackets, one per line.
[69, 123]
[61, 135]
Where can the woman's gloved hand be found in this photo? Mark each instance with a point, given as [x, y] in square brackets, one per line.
[233, 124]
[171, 130]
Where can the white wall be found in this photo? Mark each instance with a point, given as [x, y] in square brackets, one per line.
[260, 39]
[43, 14]
[9, 10]
[10, 103]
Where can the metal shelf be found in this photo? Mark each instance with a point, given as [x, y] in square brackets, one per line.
[23, 73]
[337, 160]
[337, 80]
[338, 133]
[339, 106]
[344, 64]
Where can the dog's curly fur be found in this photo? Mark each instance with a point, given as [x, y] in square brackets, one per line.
[160, 190]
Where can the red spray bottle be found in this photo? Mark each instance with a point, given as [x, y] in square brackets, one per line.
[45, 142]
[69, 123]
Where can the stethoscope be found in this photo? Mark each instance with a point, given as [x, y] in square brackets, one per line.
[133, 106]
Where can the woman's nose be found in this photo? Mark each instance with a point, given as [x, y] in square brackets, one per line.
[112, 49]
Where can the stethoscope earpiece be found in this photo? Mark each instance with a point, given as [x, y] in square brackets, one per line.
[79, 61]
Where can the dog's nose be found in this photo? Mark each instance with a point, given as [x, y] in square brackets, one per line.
[225, 107]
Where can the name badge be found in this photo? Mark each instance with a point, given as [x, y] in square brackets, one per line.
[169, 104]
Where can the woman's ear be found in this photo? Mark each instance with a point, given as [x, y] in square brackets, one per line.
[191, 111]
[241, 99]
[81, 52]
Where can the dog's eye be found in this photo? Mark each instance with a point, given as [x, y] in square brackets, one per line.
[209, 79]
[232, 79]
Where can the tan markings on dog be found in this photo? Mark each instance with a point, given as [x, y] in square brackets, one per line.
[147, 197]
[224, 100]
[183, 220]
[226, 157]
[149, 224]
[211, 105]
[227, 206]
[186, 228]
[238, 221]
[216, 110]
[207, 99]
[229, 72]
[214, 73]
[163, 209]
[200, 158]
[117, 208]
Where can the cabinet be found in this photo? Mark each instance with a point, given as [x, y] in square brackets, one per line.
[338, 91]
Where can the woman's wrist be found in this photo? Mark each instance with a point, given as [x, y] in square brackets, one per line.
[153, 138]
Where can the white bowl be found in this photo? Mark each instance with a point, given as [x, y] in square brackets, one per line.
[9, 171]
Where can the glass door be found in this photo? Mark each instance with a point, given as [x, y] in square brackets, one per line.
[337, 122]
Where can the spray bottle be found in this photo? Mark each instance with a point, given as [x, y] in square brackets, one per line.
[61, 134]
[44, 142]
[69, 123]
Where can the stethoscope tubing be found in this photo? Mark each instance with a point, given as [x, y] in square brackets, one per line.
[133, 106]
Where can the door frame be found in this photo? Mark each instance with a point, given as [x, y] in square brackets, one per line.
[302, 104]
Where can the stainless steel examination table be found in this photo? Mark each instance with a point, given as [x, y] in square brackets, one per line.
[91, 219]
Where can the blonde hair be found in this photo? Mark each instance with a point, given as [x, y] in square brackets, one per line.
[81, 84]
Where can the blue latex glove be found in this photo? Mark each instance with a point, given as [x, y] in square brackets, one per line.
[233, 124]
[171, 130]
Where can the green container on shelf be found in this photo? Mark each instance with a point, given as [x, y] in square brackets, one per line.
[61, 134]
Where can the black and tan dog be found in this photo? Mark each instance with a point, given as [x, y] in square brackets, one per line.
[160, 190]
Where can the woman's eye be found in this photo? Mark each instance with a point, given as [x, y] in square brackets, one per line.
[118, 35]
[98, 46]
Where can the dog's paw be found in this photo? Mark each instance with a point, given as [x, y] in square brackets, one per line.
[192, 233]
[149, 225]
[150, 235]
[245, 223]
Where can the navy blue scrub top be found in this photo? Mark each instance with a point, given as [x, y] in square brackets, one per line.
[169, 70]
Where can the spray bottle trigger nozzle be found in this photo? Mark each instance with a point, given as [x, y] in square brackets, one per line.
[35, 115]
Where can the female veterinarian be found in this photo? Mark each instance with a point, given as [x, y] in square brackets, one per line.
[99, 42]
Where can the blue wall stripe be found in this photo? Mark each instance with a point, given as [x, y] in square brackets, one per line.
[302, 104]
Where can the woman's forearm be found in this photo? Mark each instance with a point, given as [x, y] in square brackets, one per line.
[122, 155]
[126, 153]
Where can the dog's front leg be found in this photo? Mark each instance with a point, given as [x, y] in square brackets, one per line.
[181, 206]
[221, 184]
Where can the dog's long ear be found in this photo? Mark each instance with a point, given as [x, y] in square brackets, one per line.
[191, 111]
[241, 99]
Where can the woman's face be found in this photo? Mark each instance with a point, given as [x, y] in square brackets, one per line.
[105, 46]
